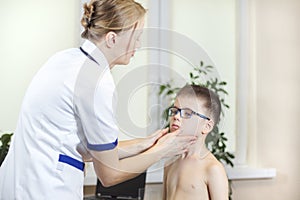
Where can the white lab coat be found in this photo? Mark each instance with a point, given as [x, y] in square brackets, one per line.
[69, 102]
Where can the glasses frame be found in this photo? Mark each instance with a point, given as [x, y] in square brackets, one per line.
[193, 113]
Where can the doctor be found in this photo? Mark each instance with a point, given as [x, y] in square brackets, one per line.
[67, 114]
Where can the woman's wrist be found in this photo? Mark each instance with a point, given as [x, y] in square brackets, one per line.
[153, 138]
[157, 152]
[142, 144]
[145, 143]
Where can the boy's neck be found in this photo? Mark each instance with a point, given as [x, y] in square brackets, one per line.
[198, 149]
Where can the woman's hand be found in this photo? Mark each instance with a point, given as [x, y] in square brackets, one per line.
[174, 143]
[135, 146]
[154, 137]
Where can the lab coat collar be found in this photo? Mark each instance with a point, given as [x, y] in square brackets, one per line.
[95, 52]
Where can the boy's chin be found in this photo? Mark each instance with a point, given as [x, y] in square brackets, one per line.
[185, 130]
[173, 129]
[182, 131]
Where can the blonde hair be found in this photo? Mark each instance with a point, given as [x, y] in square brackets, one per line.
[102, 16]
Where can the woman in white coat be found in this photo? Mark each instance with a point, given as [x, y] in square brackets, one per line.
[67, 114]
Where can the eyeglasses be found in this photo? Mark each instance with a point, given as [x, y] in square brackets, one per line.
[185, 113]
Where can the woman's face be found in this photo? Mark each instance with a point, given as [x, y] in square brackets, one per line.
[194, 125]
[128, 42]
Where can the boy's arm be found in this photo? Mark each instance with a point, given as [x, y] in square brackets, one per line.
[217, 182]
[166, 170]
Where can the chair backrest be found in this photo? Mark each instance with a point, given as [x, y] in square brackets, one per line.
[132, 188]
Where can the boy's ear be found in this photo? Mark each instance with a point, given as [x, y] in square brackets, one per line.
[208, 127]
[110, 39]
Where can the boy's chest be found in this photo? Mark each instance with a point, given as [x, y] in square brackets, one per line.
[187, 176]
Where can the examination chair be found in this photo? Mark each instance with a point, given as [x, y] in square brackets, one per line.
[132, 189]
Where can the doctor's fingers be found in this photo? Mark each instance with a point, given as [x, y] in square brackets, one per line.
[177, 138]
[184, 141]
[158, 134]
[169, 137]
[177, 144]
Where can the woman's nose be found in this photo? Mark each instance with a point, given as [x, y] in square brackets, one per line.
[138, 45]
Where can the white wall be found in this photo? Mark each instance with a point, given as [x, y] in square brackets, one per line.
[275, 47]
[31, 31]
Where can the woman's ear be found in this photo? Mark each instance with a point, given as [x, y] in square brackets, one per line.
[208, 127]
[110, 39]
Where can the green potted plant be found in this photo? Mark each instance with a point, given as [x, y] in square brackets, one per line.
[5, 142]
[216, 140]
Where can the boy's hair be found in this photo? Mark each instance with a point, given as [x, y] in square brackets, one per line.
[210, 98]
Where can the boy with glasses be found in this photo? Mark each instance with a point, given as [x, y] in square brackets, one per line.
[197, 174]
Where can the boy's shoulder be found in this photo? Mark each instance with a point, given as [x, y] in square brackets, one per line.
[212, 162]
[213, 166]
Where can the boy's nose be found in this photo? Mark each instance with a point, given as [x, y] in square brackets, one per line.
[177, 115]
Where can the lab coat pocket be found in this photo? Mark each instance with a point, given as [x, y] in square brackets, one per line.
[71, 176]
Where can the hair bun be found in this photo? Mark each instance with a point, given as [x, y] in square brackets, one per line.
[87, 16]
[101, 16]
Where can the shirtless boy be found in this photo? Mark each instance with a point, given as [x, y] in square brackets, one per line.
[197, 174]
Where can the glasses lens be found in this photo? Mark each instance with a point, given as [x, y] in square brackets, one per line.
[186, 113]
[172, 111]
